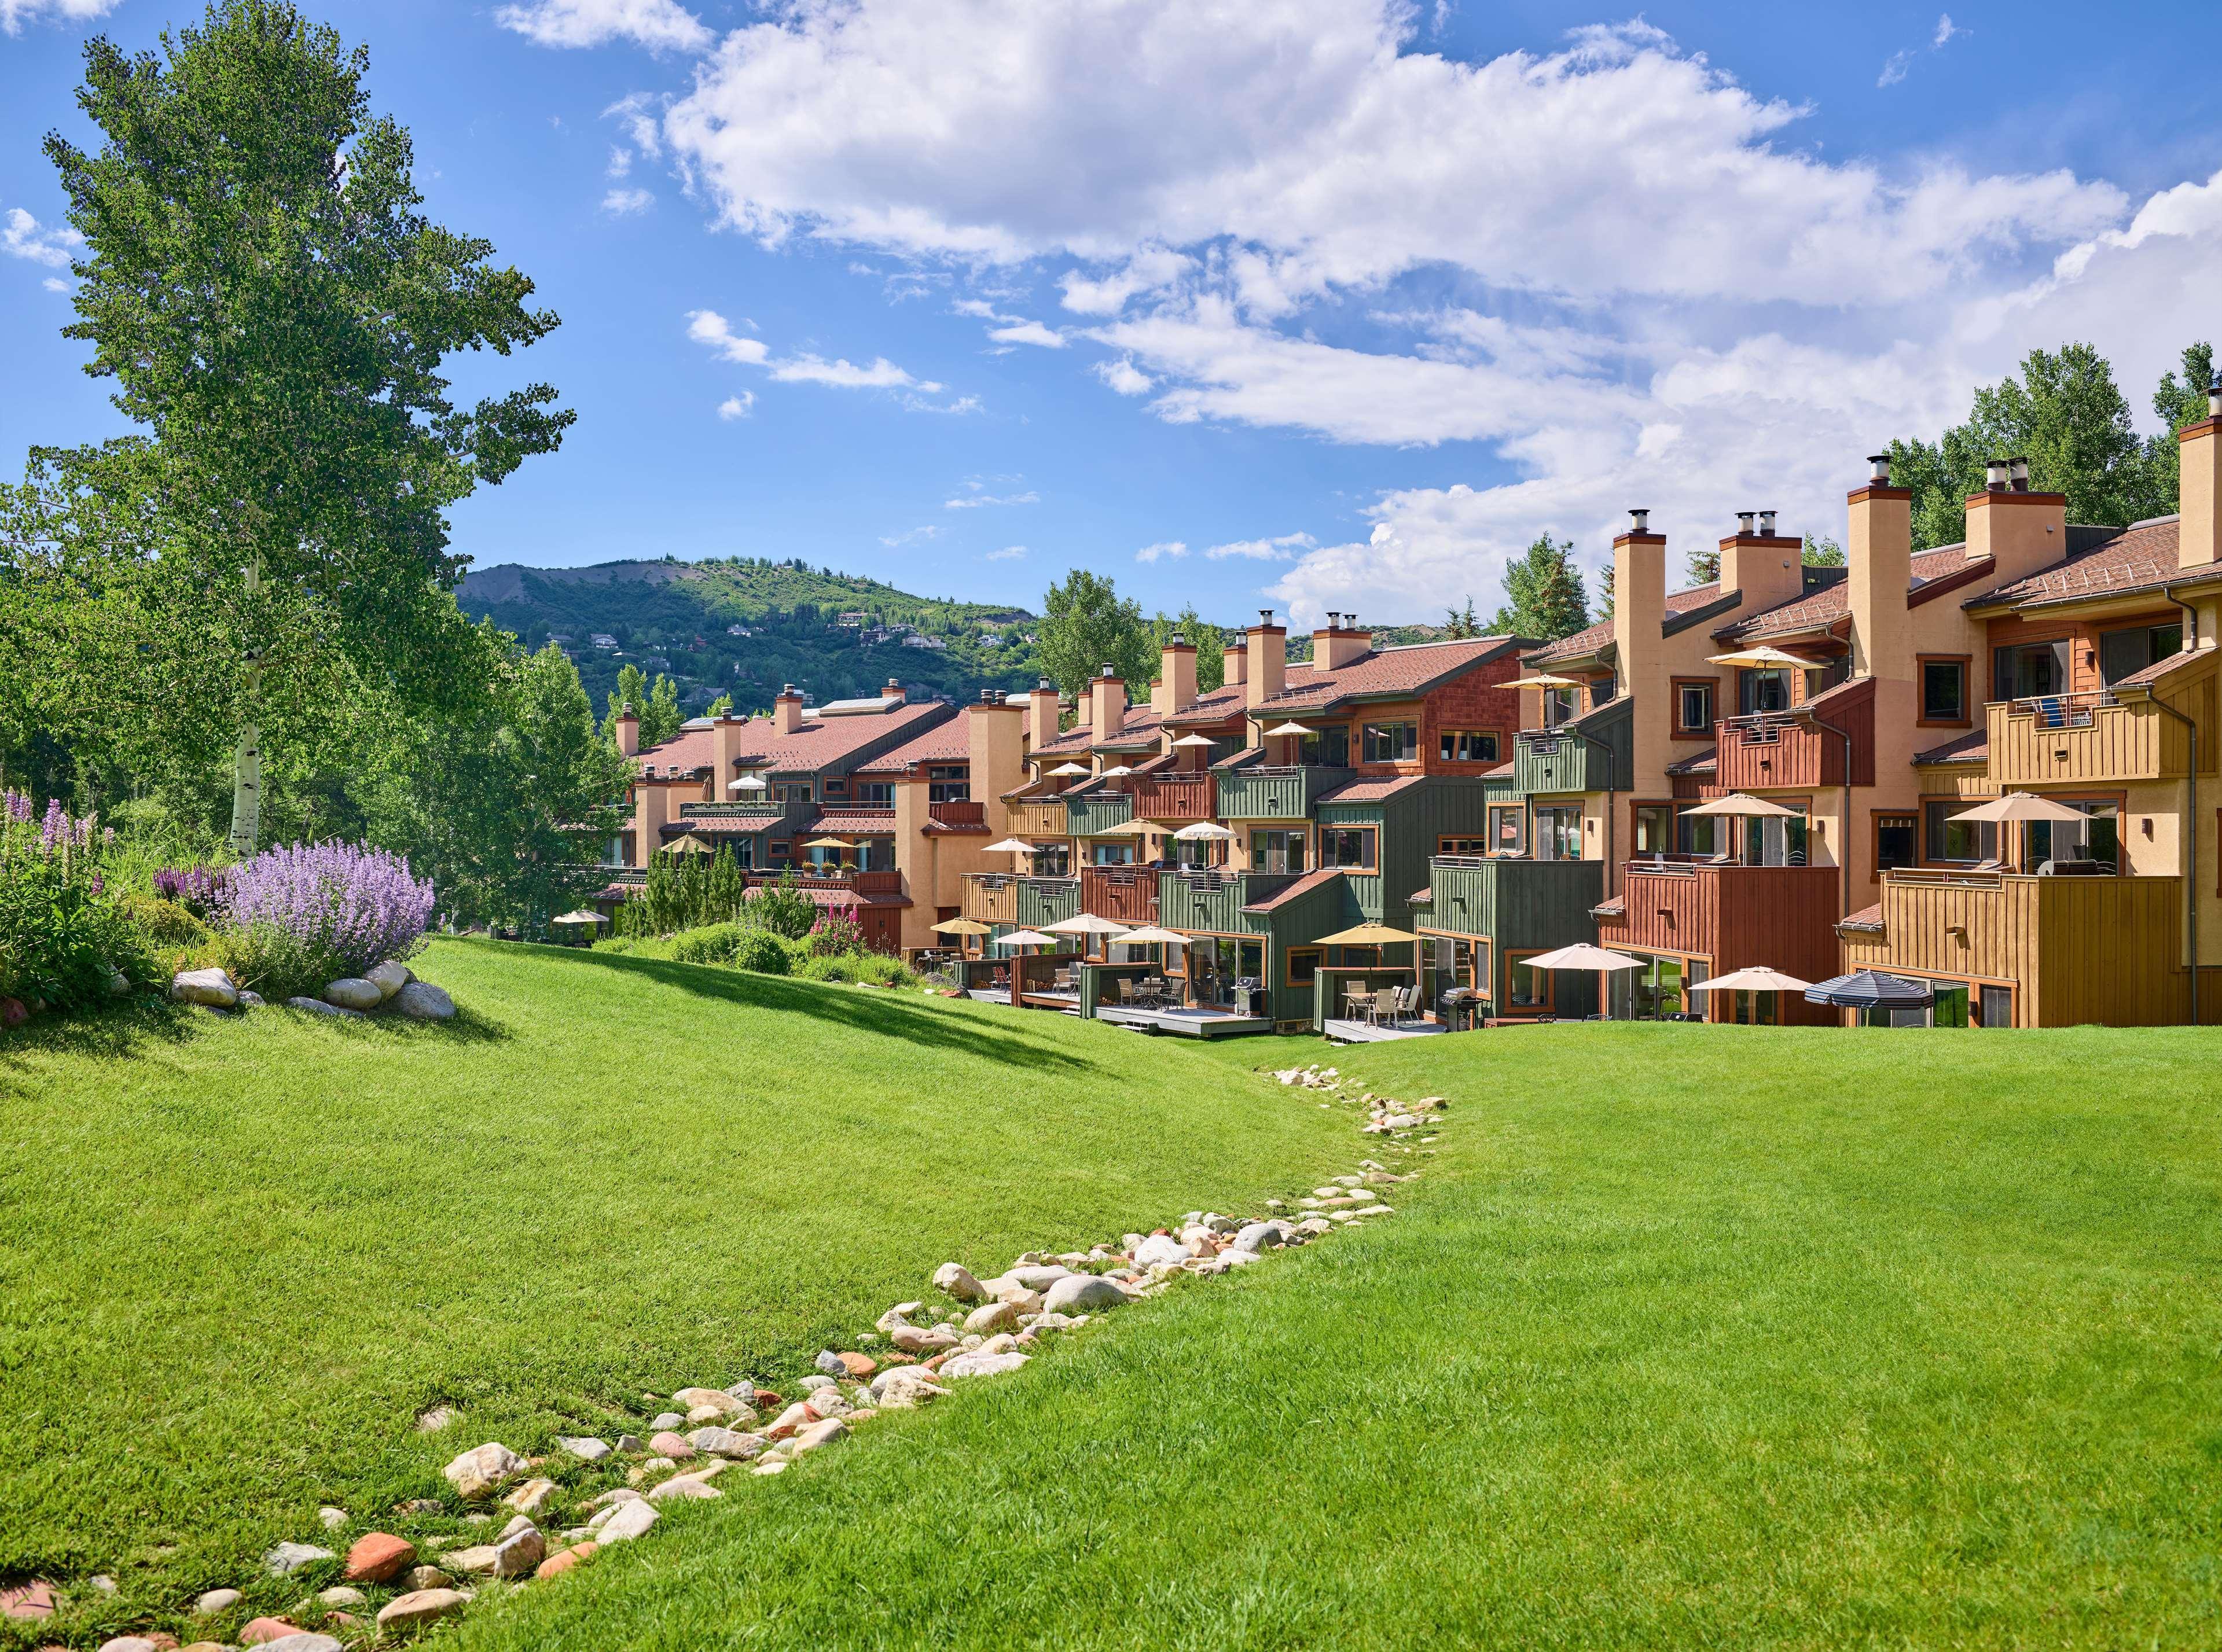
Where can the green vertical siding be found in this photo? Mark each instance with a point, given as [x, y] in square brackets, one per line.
[1523, 906]
[1549, 764]
[1098, 811]
[1047, 900]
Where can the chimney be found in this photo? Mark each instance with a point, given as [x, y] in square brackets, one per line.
[1762, 565]
[1175, 690]
[628, 731]
[1339, 643]
[787, 709]
[894, 691]
[1639, 615]
[1107, 700]
[1041, 714]
[995, 742]
[2198, 536]
[1268, 659]
[2017, 474]
[1879, 566]
[724, 747]
[1234, 665]
[2020, 531]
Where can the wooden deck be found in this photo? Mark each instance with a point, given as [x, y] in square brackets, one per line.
[1189, 1023]
[1366, 1032]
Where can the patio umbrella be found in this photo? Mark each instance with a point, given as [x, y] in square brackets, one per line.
[1087, 924]
[748, 783]
[1544, 679]
[1368, 935]
[962, 926]
[1743, 802]
[1071, 768]
[1193, 739]
[1126, 829]
[827, 843]
[690, 845]
[1152, 935]
[1761, 656]
[1290, 728]
[1114, 772]
[1582, 955]
[1867, 989]
[1210, 829]
[1758, 979]
[1012, 845]
[2023, 805]
[582, 916]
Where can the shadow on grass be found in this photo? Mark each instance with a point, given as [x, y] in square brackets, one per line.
[110, 1029]
[884, 1012]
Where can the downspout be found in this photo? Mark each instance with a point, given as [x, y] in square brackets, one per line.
[2191, 811]
[1843, 848]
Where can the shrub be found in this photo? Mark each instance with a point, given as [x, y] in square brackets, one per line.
[783, 908]
[165, 922]
[712, 943]
[200, 889]
[875, 967]
[836, 932]
[764, 952]
[339, 907]
[63, 935]
[273, 962]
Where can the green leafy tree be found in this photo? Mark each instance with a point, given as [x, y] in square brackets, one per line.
[718, 707]
[660, 717]
[1208, 640]
[1703, 566]
[274, 310]
[1823, 553]
[1548, 599]
[1088, 626]
[2065, 415]
[2178, 401]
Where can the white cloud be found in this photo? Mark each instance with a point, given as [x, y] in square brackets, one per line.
[1280, 549]
[636, 114]
[1028, 333]
[1151, 270]
[975, 500]
[1946, 32]
[55, 284]
[620, 161]
[1163, 549]
[660, 25]
[1123, 376]
[891, 540]
[707, 327]
[20, 236]
[1009, 554]
[625, 203]
[1894, 68]
[738, 407]
[879, 373]
[13, 14]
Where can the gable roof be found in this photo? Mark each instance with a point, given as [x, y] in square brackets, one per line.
[1974, 747]
[2142, 557]
[1384, 674]
[1831, 603]
[823, 742]
[945, 742]
[1372, 791]
[1583, 643]
[1296, 890]
[1222, 703]
[1138, 727]
[687, 752]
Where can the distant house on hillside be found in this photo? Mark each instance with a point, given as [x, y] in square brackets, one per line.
[853, 620]
[739, 630]
[656, 662]
[916, 641]
[603, 639]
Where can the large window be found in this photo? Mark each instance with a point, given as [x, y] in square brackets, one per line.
[1303, 964]
[1654, 828]
[881, 792]
[1944, 690]
[875, 855]
[1467, 745]
[1702, 834]
[2030, 669]
[1392, 742]
[2098, 840]
[1329, 748]
[1763, 690]
[1661, 988]
[949, 783]
[1559, 834]
[1526, 989]
[1559, 706]
[1693, 709]
[1967, 841]
[1353, 848]
[1111, 854]
[1897, 841]
[1820, 681]
[1461, 846]
[791, 792]
[1277, 851]
[1508, 828]
[1454, 962]
[2124, 654]
[1775, 841]
[1052, 858]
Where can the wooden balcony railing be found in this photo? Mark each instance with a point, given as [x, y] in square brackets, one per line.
[1186, 797]
[860, 883]
[1039, 817]
[2074, 737]
[1807, 745]
[990, 898]
[958, 814]
[1123, 894]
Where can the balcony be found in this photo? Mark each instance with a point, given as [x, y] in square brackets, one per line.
[855, 883]
[1123, 894]
[1829, 743]
[2068, 738]
[1591, 754]
[763, 811]
[1518, 902]
[1259, 793]
[1736, 916]
[960, 815]
[2072, 950]
[1167, 796]
[1028, 902]
[1039, 817]
[1095, 810]
[1213, 901]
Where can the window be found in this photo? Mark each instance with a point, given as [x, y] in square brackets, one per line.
[1461, 846]
[949, 783]
[1656, 990]
[1051, 858]
[1559, 834]
[875, 855]
[2124, 654]
[1764, 689]
[1189, 855]
[1775, 842]
[1327, 747]
[1819, 682]
[2030, 669]
[1897, 841]
[1654, 828]
[1348, 847]
[1755, 1008]
[1946, 839]
[1702, 835]
[1392, 742]
[1111, 854]
[791, 792]
[877, 792]
[782, 855]
[1995, 1006]
[1693, 709]
[1468, 745]
[1604, 691]
[1508, 828]
[1277, 851]
[837, 788]
[1303, 965]
[1454, 962]
[2098, 839]
[1558, 706]
[1525, 988]
[1943, 691]
[1948, 1007]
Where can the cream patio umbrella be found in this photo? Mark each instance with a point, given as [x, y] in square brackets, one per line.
[1086, 923]
[1193, 739]
[690, 844]
[1761, 657]
[2023, 807]
[1026, 938]
[1757, 979]
[1151, 936]
[1368, 935]
[1115, 771]
[1582, 955]
[829, 843]
[1544, 679]
[1296, 729]
[1071, 769]
[1209, 830]
[748, 783]
[1012, 846]
[1743, 802]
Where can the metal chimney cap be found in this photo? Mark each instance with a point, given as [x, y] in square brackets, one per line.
[1264, 616]
[1879, 463]
[2215, 394]
[1639, 518]
[1767, 523]
[1995, 474]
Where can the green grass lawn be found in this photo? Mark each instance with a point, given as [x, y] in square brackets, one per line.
[238, 1257]
[1692, 1336]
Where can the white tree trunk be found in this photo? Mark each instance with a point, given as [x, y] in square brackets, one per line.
[247, 760]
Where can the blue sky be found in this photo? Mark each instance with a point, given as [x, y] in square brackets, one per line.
[1321, 304]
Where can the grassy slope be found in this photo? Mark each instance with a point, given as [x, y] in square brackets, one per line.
[1695, 1336]
[236, 1260]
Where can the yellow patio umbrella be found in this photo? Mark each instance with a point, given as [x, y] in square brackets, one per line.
[1545, 679]
[690, 845]
[828, 843]
[1127, 828]
[1743, 802]
[962, 926]
[1368, 934]
[1762, 656]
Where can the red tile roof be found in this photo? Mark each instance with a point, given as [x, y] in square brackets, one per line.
[1819, 610]
[1302, 886]
[1220, 705]
[1138, 727]
[1867, 917]
[1502, 772]
[945, 742]
[684, 753]
[1381, 673]
[1582, 644]
[1971, 747]
[718, 825]
[860, 821]
[820, 743]
[2142, 558]
[2158, 669]
[1372, 791]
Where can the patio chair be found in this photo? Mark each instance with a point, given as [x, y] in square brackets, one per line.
[1409, 1008]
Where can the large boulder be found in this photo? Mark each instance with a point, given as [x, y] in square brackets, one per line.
[1083, 1293]
[389, 978]
[209, 986]
[353, 993]
[421, 1001]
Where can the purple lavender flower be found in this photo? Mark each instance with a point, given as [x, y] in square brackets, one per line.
[348, 902]
[19, 805]
[52, 829]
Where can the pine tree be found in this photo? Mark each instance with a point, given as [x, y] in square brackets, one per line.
[1548, 597]
[2176, 403]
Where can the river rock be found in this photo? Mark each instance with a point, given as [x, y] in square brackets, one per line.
[289, 1558]
[630, 1520]
[215, 1602]
[1262, 1235]
[990, 1317]
[724, 1404]
[318, 1007]
[1083, 1293]
[952, 1279]
[684, 1487]
[818, 1433]
[353, 993]
[983, 1365]
[388, 978]
[419, 1608]
[924, 1339]
[421, 1001]
[725, 1442]
[1160, 1248]
[477, 1471]
[586, 1449]
[378, 1556]
[673, 1446]
[301, 1639]
[209, 986]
